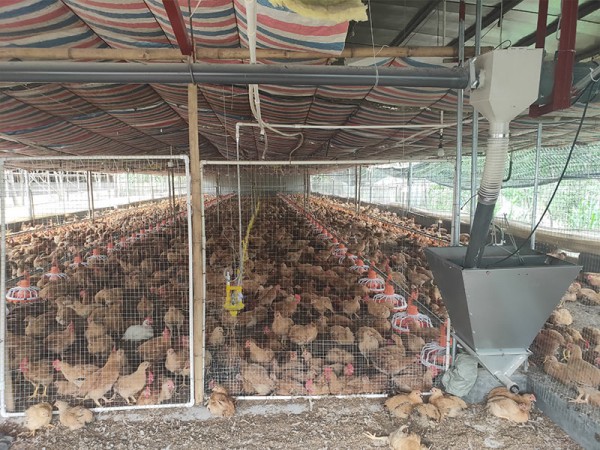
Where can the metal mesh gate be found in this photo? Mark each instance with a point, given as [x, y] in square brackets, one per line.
[96, 271]
[305, 322]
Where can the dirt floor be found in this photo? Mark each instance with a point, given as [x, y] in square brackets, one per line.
[315, 424]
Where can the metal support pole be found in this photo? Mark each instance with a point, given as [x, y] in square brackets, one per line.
[152, 185]
[536, 179]
[90, 190]
[29, 197]
[360, 170]
[371, 184]
[475, 129]
[356, 188]
[218, 194]
[6, 391]
[348, 190]
[455, 235]
[127, 186]
[197, 243]
[409, 182]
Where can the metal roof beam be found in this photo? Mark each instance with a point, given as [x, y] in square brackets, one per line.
[587, 53]
[584, 10]
[421, 15]
[497, 12]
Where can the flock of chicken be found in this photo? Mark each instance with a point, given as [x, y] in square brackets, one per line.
[118, 321]
[566, 353]
[308, 327]
[112, 314]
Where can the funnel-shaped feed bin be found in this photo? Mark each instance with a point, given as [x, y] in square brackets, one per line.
[498, 308]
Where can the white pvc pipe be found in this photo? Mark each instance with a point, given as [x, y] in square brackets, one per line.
[308, 397]
[238, 125]
[191, 271]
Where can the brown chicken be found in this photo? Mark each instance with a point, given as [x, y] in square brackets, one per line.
[401, 405]
[220, 403]
[267, 296]
[258, 354]
[128, 386]
[152, 397]
[378, 310]
[216, 337]
[556, 369]
[522, 399]
[321, 304]
[94, 329]
[426, 412]
[76, 373]
[155, 349]
[508, 409]
[100, 347]
[546, 343]
[59, 341]
[351, 307]
[400, 440]
[66, 388]
[303, 334]
[390, 360]
[281, 325]
[587, 395]
[341, 335]
[178, 362]
[100, 382]
[369, 340]
[288, 306]
[256, 379]
[38, 373]
[174, 319]
[448, 405]
[73, 417]
[38, 326]
[339, 355]
[580, 371]
[38, 416]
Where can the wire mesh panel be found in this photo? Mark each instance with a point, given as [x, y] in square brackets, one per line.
[565, 361]
[305, 323]
[96, 275]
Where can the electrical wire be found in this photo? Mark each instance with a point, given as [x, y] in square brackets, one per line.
[562, 175]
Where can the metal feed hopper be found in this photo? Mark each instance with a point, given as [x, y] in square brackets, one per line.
[498, 308]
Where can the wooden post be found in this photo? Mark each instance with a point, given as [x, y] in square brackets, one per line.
[197, 266]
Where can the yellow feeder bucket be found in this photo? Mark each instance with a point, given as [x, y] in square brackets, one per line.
[233, 299]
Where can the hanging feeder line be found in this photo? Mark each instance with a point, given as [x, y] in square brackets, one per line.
[370, 218]
[396, 286]
[432, 349]
[233, 292]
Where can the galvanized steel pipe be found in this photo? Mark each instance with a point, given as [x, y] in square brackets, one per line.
[243, 74]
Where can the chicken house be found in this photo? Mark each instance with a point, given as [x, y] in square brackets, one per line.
[204, 202]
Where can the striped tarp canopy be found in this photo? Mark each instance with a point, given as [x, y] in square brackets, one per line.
[151, 119]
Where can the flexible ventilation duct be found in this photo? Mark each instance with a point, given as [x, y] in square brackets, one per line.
[508, 83]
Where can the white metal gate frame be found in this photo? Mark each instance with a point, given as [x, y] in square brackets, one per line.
[3, 253]
[284, 163]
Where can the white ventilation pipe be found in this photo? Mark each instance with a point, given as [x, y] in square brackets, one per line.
[508, 83]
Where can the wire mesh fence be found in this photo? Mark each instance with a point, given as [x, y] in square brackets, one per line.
[565, 359]
[306, 322]
[97, 301]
